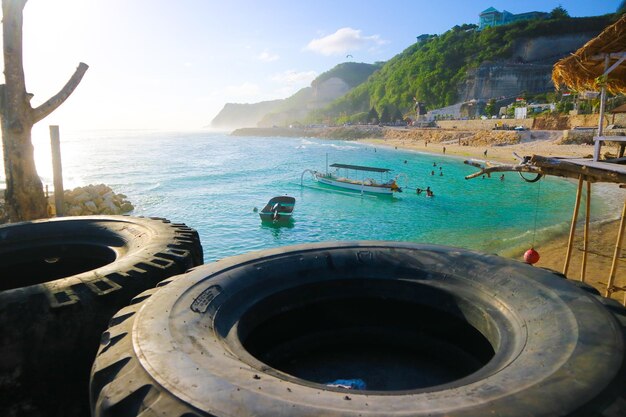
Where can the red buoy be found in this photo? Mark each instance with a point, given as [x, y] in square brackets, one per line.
[531, 256]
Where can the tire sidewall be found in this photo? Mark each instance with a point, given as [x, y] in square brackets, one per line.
[553, 340]
[51, 329]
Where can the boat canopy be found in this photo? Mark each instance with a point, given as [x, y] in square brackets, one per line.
[360, 168]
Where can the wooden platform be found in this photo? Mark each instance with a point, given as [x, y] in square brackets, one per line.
[597, 144]
[617, 165]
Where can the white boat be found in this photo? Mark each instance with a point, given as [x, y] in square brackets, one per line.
[357, 178]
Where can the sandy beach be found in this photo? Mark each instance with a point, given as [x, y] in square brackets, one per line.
[602, 234]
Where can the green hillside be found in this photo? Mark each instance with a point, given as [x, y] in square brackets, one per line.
[295, 107]
[432, 70]
[353, 73]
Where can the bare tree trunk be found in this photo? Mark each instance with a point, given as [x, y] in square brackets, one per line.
[24, 196]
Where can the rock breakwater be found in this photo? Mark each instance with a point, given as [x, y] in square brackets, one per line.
[94, 199]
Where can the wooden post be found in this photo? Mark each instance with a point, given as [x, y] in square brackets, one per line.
[572, 228]
[57, 169]
[601, 117]
[598, 144]
[618, 249]
[583, 267]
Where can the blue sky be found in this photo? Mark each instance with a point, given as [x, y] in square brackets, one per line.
[157, 64]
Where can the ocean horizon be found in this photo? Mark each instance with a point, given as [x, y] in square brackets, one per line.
[213, 182]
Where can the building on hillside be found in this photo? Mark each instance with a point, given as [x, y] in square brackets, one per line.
[470, 109]
[492, 17]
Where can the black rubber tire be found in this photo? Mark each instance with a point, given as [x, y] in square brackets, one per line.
[207, 342]
[61, 281]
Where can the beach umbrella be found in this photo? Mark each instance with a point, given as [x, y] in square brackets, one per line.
[597, 65]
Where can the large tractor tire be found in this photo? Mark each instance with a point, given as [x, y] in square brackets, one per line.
[364, 329]
[61, 280]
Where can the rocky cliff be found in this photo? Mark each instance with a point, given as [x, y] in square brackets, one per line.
[530, 68]
[235, 115]
[505, 80]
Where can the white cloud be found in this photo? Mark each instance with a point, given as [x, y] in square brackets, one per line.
[343, 41]
[291, 77]
[266, 56]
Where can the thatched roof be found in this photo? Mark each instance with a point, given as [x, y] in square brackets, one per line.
[580, 71]
[620, 109]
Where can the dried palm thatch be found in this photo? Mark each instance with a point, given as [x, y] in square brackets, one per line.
[583, 70]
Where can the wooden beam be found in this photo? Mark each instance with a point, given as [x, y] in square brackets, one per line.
[572, 229]
[615, 65]
[613, 55]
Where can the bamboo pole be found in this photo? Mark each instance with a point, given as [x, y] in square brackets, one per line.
[583, 267]
[618, 249]
[572, 229]
[598, 144]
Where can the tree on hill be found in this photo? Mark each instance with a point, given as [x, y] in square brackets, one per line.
[622, 7]
[397, 116]
[559, 13]
[24, 197]
[490, 108]
[372, 116]
[385, 115]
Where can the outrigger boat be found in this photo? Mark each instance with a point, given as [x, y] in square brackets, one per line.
[364, 185]
[278, 210]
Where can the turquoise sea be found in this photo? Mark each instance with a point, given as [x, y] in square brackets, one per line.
[213, 181]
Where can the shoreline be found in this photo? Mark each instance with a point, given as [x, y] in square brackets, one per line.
[499, 146]
[602, 233]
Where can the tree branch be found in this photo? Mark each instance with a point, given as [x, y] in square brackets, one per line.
[486, 169]
[58, 99]
[555, 166]
[12, 21]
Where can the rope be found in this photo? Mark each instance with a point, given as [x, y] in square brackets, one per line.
[536, 212]
[537, 178]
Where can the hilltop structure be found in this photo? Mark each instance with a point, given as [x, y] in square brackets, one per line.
[493, 17]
